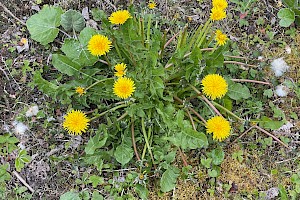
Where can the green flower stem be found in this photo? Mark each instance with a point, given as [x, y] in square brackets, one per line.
[182, 38]
[112, 109]
[226, 110]
[203, 33]
[150, 142]
[195, 89]
[106, 58]
[146, 140]
[196, 34]
[133, 140]
[142, 30]
[161, 52]
[215, 47]
[99, 81]
[209, 41]
[148, 32]
[117, 49]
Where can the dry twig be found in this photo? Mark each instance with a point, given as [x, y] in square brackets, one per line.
[133, 141]
[23, 181]
[10, 13]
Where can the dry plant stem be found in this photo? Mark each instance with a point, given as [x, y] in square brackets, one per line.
[99, 81]
[69, 36]
[287, 160]
[241, 136]
[106, 58]
[2, 59]
[211, 105]
[191, 109]
[103, 61]
[191, 118]
[251, 81]
[238, 63]
[226, 110]
[10, 13]
[89, 112]
[198, 115]
[4, 73]
[269, 134]
[133, 141]
[147, 140]
[239, 57]
[169, 41]
[23, 181]
[182, 157]
[122, 116]
[112, 109]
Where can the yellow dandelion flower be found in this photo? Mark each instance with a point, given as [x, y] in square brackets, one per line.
[217, 14]
[221, 38]
[151, 5]
[119, 17]
[214, 86]
[222, 4]
[76, 122]
[24, 41]
[99, 45]
[80, 91]
[219, 127]
[120, 69]
[124, 87]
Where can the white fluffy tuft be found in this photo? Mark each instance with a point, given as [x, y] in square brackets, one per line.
[20, 128]
[279, 66]
[281, 90]
[32, 111]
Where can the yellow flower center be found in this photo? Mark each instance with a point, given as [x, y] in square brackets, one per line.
[214, 86]
[124, 87]
[217, 14]
[119, 17]
[76, 122]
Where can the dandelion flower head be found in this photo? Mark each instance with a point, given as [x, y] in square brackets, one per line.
[222, 4]
[214, 86]
[120, 69]
[217, 14]
[124, 87]
[119, 17]
[221, 38]
[219, 127]
[80, 91]
[151, 5]
[76, 122]
[99, 45]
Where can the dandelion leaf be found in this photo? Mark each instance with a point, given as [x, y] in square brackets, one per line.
[237, 91]
[168, 179]
[123, 154]
[65, 65]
